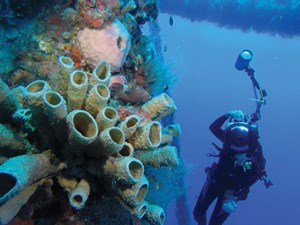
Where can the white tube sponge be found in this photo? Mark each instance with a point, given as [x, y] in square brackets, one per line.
[10, 208]
[56, 110]
[125, 170]
[101, 74]
[140, 210]
[79, 195]
[170, 131]
[60, 81]
[111, 141]
[126, 151]
[19, 172]
[133, 195]
[173, 129]
[78, 86]
[34, 92]
[97, 99]
[83, 128]
[164, 156]
[107, 117]
[160, 106]
[111, 43]
[147, 136]
[54, 107]
[129, 125]
[155, 214]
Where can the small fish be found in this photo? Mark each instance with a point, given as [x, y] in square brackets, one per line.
[171, 21]
[165, 48]
[152, 178]
[166, 87]
[157, 187]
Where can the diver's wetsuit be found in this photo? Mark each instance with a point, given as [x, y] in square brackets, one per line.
[224, 175]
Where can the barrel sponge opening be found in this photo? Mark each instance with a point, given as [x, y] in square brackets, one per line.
[155, 134]
[66, 61]
[110, 113]
[117, 135]
[7, 182]
[132, 121]
[79, 77]
[52, 98]
[127, 150]
[84, 124]
[102, 70]
[142, 193]
[136, 169]
[77, 199]
[102, 90]
[36, 86]
[167, 99]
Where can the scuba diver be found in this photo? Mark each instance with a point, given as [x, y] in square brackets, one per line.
[241, 162]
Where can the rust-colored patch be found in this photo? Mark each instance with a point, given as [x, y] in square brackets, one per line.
[76, 56]
[54, 20]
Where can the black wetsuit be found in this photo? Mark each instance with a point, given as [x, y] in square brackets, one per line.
[225, 175]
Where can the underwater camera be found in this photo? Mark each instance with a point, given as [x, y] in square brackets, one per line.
[243, 60]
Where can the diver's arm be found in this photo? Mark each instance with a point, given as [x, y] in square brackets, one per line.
[216, 129]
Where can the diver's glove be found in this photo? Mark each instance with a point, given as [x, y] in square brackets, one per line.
[267, 182]
[235, 114]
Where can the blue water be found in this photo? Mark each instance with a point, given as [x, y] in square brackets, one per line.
[203, 56]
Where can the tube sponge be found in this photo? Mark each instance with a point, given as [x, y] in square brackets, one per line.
[126, 151]
[155, 214]
[160, 106]
[129, 125]
[165, 156]
[172, 130]
[19, 172]
[125, 170]
[107, 117]
[109, 142]
[79, 195]
[147, 136]
[83, 129]
[10, 208]
[60, 80]
[101, 74]
[133, 195]
[78, 86]
[34, 92]
[97, 98]
[56, 110]
[140, 210]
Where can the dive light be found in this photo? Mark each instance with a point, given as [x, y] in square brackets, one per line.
[243, 60]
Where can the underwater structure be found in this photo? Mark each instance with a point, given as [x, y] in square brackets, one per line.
[81, 101]
[271, 16]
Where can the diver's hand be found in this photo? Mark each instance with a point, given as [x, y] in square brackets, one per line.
[235, 114]
[267, 182]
